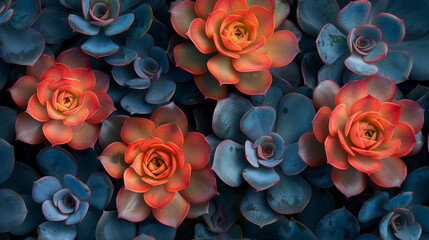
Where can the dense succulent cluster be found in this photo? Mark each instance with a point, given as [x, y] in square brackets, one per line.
[214, 119]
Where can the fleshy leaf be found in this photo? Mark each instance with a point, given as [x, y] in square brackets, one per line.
[79, 24]
[292, 164]
[45, 188]
[373, 207]
[255, 209]
[8, 160]
[25, 12]
[109, 227]
[13, 210]
[258, 122]
[79, 188]
[331, 44]
[229, 161]
[293, 229]
[99, 46]
[313, 15]
[417, 182]
[57, 162]
[260, 178]
[399, 201]
[101, 190]
[50, 230]
[142, 22]
[338, 224]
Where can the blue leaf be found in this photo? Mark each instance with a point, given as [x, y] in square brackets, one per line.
[79, 24]
[122, 23]
[101, 190]
[5, 16]
[227, 116]
[34, 217]
[319, 176]
[290, 195]
[331, 44]
[45, 188]
[87, 158]
[353, 15]
[373, 207]
[111, 228]
[279, 87]
[59, 195]
[399, 201]
[51, 212]
[79, 188]
[123, 56]
[261, 178]
[295, 230]
[7, 160]
[22, 178]
[392, 28]
[368, 236]
[186, 93]
[310, 65]
[396, 65]
[258, 122]
[161, 57]
[229, 162]
[7, 118]
[121, 74]
[55, 161]
[142, 46]
[251, 154]
[313, 15]
[138, 83]
[4, 73]
[320, 204]
[411, 232]
[290, 73]
[294, 117]
[161, 91]
[160, 33]
[292, 164]
[417, 182]
[255, 209]
[356, 64]
[12, 210]
[338, 224]
[25, 13]
[143, 237]
[144, 16]
[99, 46]
[421, 215]
[86, 228]
[134, 103]
[54, 230]
[75, 4]
[77, 216]
[23, 48]
[334, 71]
[152, 227]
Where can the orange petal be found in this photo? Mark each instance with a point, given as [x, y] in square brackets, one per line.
[390, 112]
[112, 159]
[404, 132]
[311, 151]
[281, 47]
[133, 181]
[214, 21]
[43, 92]
[256, 44]
[392, 174]
[91, 103]
[180, 179]
[412, 114]
[76, 118]
[37, 110]
[74, 58]
[229, 6]
[210, 86]
[170, 113]
[351, 92]
[63, 82]
[355, 132]
[265, 19]
[196, 150]
[253, 61]
[86, 78]
[197, 34]
[202, 187]
[158, 197]
[178, 154]
[56, 72]
[137, 128]
[335, 154]
[204, 7]
[366, 104]
[222, 48]
[23, 89]
[84, 136]
[364, 163]
[102, 81]
[189, 58]
[56, 132]
[179, 206]
[222, 69]
[170, 133]
[382, 151]
[381, 87]
[106, 108]
[182, 14]
[28, 129]
[338, 120]
[40, 66]
[54, 113]
[321, 123]
[254, 83]
[133, 150]
[131, 206]
[350, 182]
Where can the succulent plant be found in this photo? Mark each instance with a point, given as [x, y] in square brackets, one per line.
[360, 130]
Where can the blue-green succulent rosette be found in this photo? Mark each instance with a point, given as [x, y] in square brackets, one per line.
[259, 147]
[363, 38]
[103, 19]
[16, 19]
[141, 69]
[400, 217]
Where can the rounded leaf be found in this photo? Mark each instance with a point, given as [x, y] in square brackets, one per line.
[229, 161]
[12, 210]
[7, 160]
[338, 224]
[57, 162]
[50, 230]
[109, 227]
[255, 209]
[101, 190]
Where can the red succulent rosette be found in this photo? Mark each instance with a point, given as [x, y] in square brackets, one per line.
[64, 101]
[233, 42]
[359, 130]
[163, 169]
